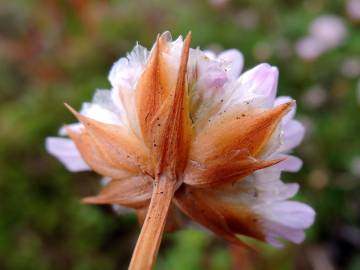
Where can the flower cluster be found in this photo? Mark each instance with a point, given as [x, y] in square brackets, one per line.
[326, 32]
[192, 117]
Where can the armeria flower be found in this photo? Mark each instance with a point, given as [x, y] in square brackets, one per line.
[326, 32]
[182, 130]
[353, 9]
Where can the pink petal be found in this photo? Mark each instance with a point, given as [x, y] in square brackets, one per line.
[210, 74]
[329, 30]
[260, 82]
[290, 191]
[76, 127]
[292, 214]
[215, 77]
[287, 220]
[309, 48]
[293, 235]
[294, 132]
[210, 54]
[66, 151]
[290, 164]
[276, 191]
[235, 60]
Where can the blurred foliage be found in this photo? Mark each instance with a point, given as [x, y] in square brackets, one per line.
[53, 51]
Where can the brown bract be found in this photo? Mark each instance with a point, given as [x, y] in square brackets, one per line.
[171, 167]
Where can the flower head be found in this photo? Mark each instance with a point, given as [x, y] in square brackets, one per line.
[353, 9]
[185, 120]
[326, 32]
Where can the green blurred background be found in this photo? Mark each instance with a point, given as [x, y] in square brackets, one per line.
[56, 51]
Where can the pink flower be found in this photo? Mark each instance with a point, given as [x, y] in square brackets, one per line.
[182, 129]
[353, 9]
[325, 33]
[309, 48]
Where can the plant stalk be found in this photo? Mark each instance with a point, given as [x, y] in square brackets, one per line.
[148, 243]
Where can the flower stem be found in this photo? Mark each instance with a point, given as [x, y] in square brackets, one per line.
[147, 246]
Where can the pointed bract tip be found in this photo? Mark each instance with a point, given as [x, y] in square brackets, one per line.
[92, 200]
[186, 49]
[166, 36]
[187, 40]
[285, 107]
[275, 161]
[78, 115]
[71, 109]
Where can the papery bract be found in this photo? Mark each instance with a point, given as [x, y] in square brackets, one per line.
[181, 129]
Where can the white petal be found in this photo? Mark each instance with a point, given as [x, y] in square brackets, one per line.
[290, 164]
[286, 219]
[104, 99]
[102, 108]
[294, 132]
[258, 86]
[210, 54]
[66, 151]
[263, 187]
[126, 71]
[275, 232]
[273, 240]
[291, 214]
[207, 74]
[211, 75]
[167, 36]
[234, 62]
[267, 174]
[138, 56]
[275, 190]
[119, 74]
[77, 127]
[289, 191]
[125, 100]
[99, 113]
[121, 210]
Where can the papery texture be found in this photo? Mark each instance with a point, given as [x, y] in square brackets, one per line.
[190, 115]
